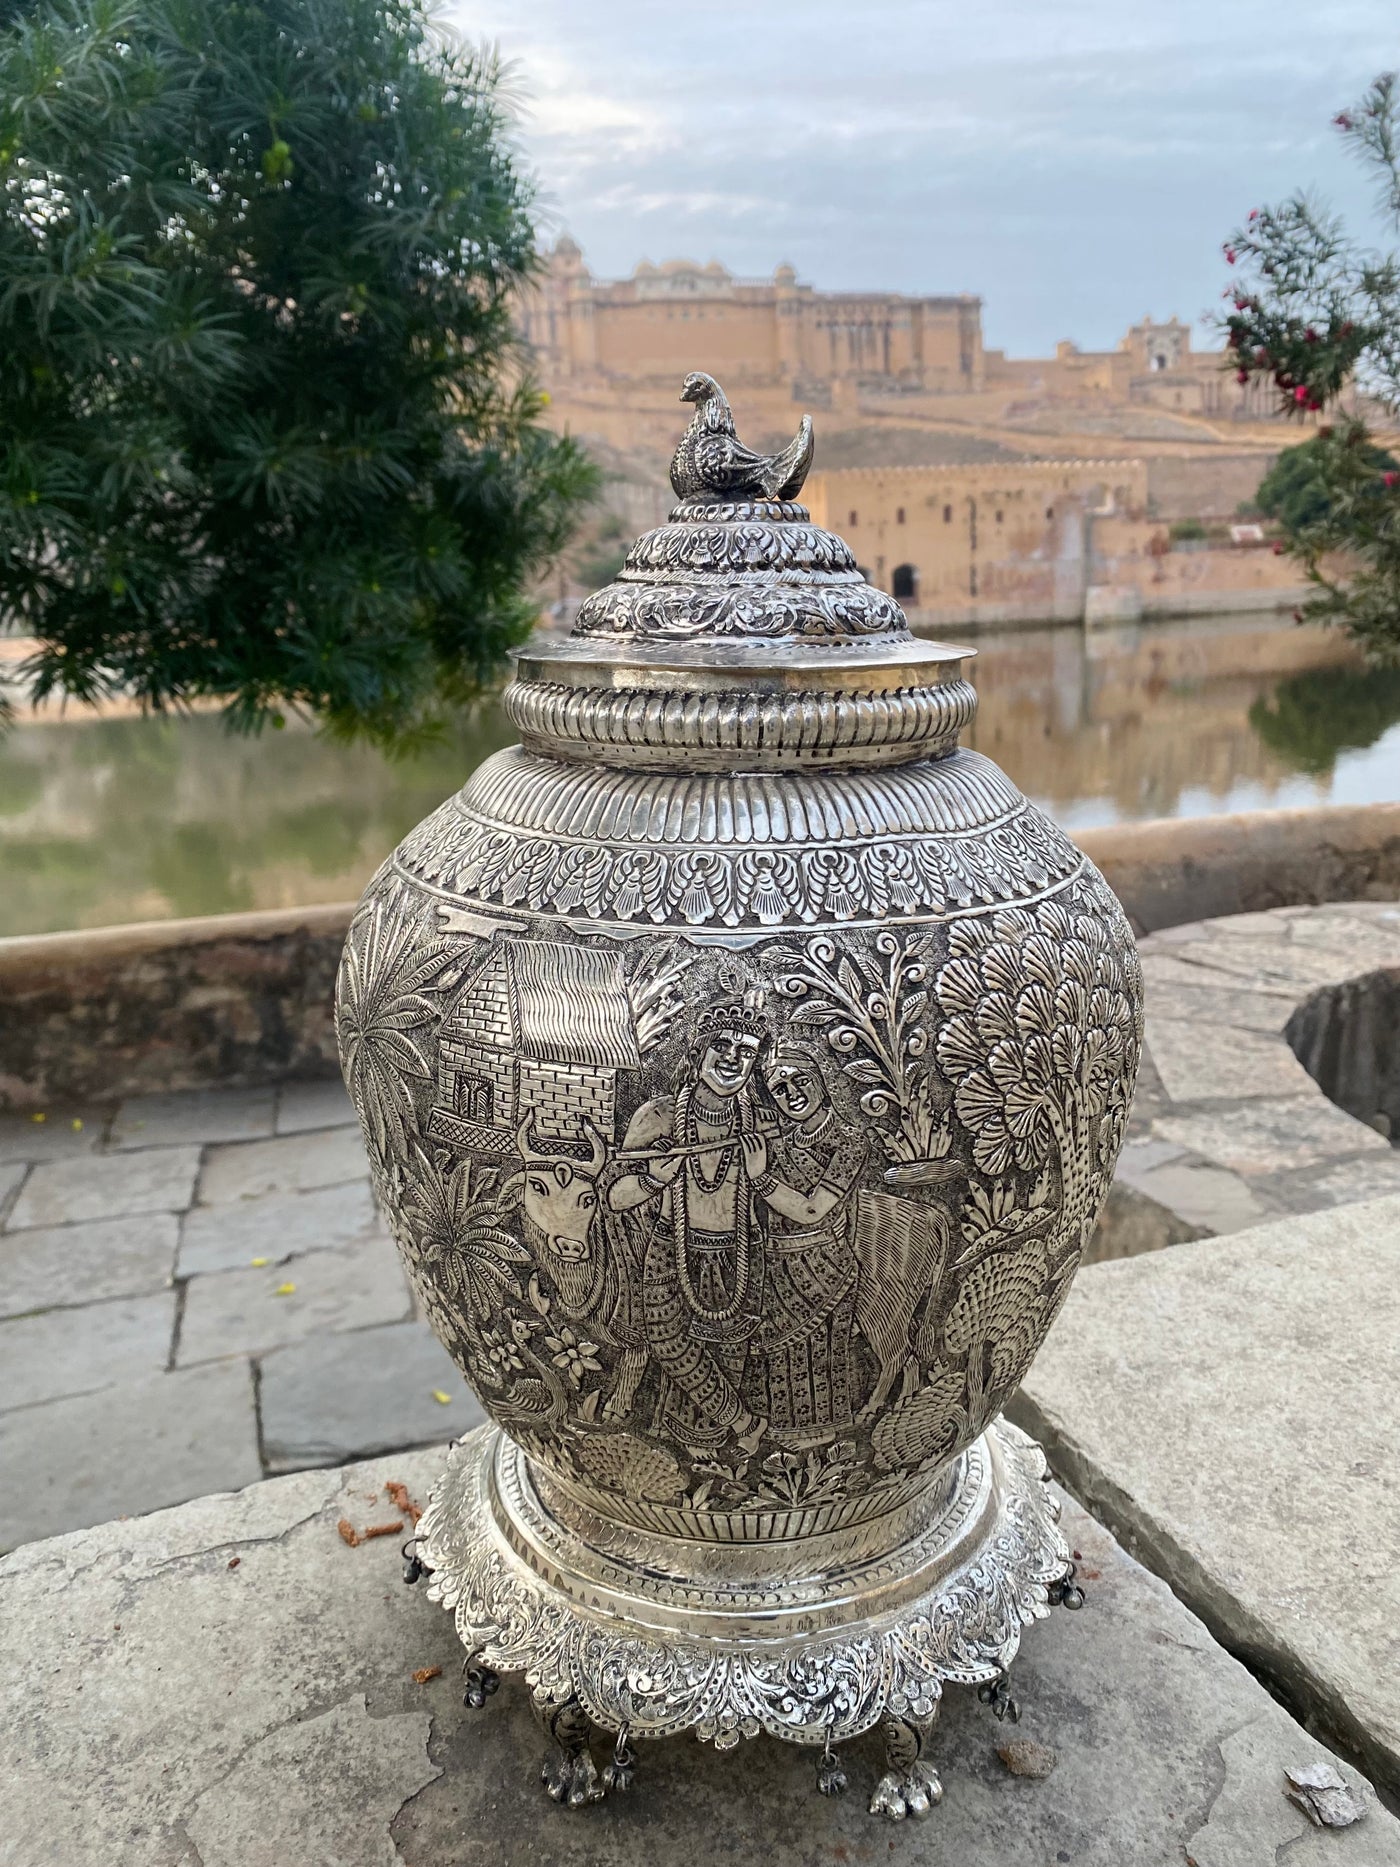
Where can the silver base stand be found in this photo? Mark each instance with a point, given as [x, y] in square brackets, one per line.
[638, 1634]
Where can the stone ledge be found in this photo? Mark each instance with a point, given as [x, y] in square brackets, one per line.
[1232, 1411]
[1229, 1130]
[228, 1682]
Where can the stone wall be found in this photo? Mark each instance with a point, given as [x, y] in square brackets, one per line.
[244, 999]
[1182, 869]
[1189, 577]
[1210, 484]
[234, 998]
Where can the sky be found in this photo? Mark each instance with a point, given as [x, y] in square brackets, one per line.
[1076, 164]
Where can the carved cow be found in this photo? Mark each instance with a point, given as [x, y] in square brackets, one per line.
[589, 1267]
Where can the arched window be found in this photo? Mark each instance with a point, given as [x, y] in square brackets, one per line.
[905, 582]
[899, 515]
[947, 515]
[854, 519]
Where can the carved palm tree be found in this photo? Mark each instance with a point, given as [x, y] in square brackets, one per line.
[381, 1003]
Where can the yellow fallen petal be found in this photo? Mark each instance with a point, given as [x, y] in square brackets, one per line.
[443, 1400]
[77, 1126]
[286, 1290]
[38, 1118]
[259, 1262]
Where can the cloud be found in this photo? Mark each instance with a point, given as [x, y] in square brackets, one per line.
[1076, 166]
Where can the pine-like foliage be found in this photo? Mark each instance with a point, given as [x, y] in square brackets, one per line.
[1314, 311]
[265, 433]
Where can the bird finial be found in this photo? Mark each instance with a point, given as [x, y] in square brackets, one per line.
[698, 387]
[712, 465]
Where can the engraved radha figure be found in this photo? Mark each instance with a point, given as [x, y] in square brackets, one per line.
[803, 1367]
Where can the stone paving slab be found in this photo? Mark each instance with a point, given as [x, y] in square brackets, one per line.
[1234, 1413]
[313, 1105]
[105, 1186]
[229, 1683]
[1211, 1198]
[72, 1264]
[61, 1135]
[90, 1203]
[290, 1164]
[332, 1398]
[193, 1115]
[1199, 1061]
[76, 1351]
[11, 1179]
[1252, 1136]
[252, 1311]
[277, 1226]
[125, 1450]
[1330, 1183]
[1272, 1136]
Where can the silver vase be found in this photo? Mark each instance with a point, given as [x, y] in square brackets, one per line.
[742, 1066]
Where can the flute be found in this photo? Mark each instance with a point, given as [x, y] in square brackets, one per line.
[697, 1147]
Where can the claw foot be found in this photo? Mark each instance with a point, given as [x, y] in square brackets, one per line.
[910, 1792]
[568, 1772]
[572, 1779]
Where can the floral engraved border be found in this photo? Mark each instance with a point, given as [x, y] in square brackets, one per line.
[767, 886]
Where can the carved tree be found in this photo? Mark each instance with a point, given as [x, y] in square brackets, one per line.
[1041, 1044]
[872, 1006]
[382, 1005]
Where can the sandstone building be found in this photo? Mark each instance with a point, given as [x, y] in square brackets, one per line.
[655, 325]
[1045, 541]
[648, 330]
[973, 486]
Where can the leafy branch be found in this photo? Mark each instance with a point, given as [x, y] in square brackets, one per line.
[871, 1007]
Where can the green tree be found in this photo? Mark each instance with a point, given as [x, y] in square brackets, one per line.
[1298, 490]
[1312, 718]
[265, 429]
[1315, 311]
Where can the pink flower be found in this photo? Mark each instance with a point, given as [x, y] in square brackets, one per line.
[1342, 120]
[1241, 375]
[1389, 479]
[1254, 213]
[1278, 548]
[1230, 255]
[1300, 394]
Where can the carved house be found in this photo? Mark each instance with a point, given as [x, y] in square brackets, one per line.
[541, 1029]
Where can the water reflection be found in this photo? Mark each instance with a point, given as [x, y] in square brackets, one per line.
[132, 819]
[141, 819]
[1188, 718]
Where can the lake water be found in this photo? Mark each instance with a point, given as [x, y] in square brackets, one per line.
[108, 820]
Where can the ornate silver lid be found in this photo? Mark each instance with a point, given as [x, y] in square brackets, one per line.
[739, 635]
